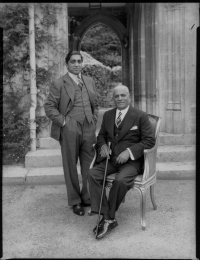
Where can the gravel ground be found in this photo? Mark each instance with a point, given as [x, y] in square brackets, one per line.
[38, 223]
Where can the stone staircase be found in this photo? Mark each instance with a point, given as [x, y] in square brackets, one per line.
[175, 157]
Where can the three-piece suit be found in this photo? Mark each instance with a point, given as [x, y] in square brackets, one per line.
[134, 132]
[76, 106]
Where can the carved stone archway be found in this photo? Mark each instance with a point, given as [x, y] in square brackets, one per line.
[112, 22]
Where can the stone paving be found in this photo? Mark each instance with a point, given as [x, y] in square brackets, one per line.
[38, 223]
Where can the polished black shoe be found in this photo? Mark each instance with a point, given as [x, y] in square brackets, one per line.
[107, 226]
[78, 209]
[101, 222]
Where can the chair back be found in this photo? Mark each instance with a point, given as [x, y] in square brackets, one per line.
[150, 158]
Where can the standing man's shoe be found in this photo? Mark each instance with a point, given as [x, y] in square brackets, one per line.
[106, 227]
[78, 209]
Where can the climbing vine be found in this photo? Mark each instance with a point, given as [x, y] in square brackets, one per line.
[14, 19]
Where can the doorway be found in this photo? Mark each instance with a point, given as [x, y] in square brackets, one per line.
[101, 49]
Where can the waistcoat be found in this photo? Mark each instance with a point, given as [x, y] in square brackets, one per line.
[117, 131]
[81, 106]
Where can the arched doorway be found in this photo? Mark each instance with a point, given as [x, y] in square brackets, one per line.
[101, 49]
[112, 22]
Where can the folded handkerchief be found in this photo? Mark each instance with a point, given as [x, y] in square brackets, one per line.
[134, 127]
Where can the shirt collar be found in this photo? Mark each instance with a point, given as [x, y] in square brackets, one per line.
[74, 77]
[124, 111]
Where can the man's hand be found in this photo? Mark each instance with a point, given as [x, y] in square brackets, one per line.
[123, 157]
[105, 151]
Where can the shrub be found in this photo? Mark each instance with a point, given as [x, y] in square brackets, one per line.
[16, 131]
[102, 76]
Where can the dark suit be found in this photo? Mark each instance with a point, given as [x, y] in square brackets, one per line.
[75, 143]
[138, 139]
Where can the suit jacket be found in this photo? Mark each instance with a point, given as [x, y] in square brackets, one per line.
[60, 101]
[138, 139]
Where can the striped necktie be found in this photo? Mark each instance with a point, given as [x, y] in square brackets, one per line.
[80, 82]
[118, 120]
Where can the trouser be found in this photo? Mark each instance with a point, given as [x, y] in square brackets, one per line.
[126, 173]
[77, 143]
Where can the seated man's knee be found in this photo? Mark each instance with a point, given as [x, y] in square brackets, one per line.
[119, 179]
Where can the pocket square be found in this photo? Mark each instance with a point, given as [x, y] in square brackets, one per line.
[134, 127]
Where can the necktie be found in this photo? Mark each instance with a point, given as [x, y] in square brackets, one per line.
[118, 120]
[80, 82]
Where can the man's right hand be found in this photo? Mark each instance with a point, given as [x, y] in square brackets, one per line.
[105, 151]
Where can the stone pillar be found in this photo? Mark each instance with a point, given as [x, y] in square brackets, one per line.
[136, 52]
[143, 103]
[150, 58]
[176, 59]
[173, 111]
[33, 88]
[169, 110]
[131, 60]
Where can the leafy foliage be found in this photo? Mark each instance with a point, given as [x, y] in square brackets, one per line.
[16, 132]
[102, 76]
[14, 19]
[103, 44]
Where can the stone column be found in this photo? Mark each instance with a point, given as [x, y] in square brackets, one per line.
[131, 62]
[176, 73]
[136, 52]
[174, 113]
[150, 58]
[143, 103]
[169, 110]
[33, 88]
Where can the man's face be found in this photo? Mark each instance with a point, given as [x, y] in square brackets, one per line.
[75, 64]
[121, 98]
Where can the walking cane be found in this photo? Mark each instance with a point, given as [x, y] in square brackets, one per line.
[104, 180]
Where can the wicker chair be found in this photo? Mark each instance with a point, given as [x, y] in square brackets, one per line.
[148, 178]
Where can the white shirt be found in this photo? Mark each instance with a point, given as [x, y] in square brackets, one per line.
[124, 111]
[74, 77]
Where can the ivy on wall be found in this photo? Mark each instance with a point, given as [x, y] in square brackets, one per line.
[14, 19]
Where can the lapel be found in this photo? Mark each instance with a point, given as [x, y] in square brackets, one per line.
[68, 84]
[129, 120]
[87, 85]
[111, 123]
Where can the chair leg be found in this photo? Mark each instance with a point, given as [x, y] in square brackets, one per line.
[152, 196]
[143, 207]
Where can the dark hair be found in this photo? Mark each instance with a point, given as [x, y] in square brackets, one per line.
[72, 53]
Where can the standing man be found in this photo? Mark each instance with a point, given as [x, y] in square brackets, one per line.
[72, 106]
[129, 131]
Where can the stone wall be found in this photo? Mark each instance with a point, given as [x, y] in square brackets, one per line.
[163, 62]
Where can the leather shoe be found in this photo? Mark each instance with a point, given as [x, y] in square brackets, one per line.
[106, 228]
[78, 209]
[101, 222]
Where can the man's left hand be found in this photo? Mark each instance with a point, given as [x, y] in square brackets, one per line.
[123, 157]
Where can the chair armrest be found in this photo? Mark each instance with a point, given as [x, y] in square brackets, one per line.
[149, 162]
[148, 151]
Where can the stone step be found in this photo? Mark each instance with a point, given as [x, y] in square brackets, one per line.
[52, 157]
[165, 171]
[176, 153]
[164, 139]
[176, 170]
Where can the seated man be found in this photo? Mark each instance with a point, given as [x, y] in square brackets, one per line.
[129, 131]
